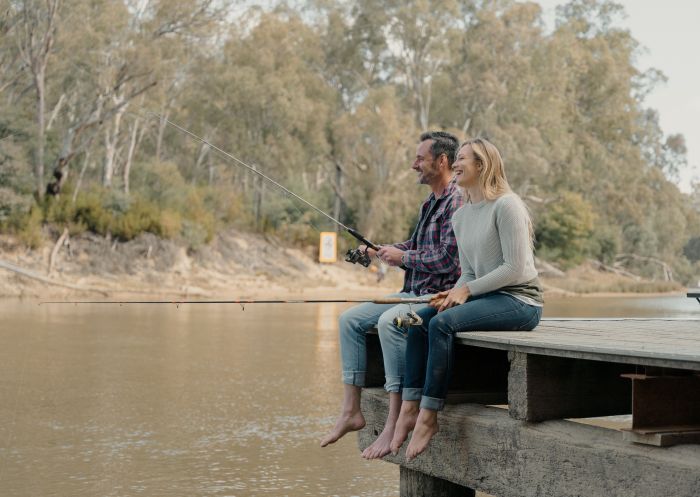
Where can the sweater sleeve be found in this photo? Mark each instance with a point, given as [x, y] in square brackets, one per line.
[467, 274]
[512, 225]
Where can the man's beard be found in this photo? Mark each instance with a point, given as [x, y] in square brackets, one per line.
[427, 175]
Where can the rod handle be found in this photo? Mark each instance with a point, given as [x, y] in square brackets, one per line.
[402, 300]
[362, 239]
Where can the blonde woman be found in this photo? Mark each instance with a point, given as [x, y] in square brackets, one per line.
[498, 289]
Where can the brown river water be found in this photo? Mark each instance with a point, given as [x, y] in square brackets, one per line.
[200, 400]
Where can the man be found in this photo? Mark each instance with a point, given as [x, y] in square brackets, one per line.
[431, 263]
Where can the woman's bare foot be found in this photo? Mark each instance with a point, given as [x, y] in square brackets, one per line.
[426, 427]
[404, 425]
[380, 447]
[345, 423]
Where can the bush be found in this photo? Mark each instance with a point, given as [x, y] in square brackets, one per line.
[692, 249]
[29, 229]
[564, 229]
[194, 235]
[104, 212]
[13, 207]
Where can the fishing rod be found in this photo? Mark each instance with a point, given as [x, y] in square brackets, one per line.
[381, 300]
[409, 318]
[353, 256]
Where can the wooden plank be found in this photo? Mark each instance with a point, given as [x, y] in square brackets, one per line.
[654, 342]
[485, 449]
[694, 293]
[662, 439]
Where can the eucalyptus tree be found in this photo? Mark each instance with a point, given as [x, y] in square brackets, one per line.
[35, 36]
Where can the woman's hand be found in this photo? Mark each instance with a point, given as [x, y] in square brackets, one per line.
[456, 296]
[437, 299]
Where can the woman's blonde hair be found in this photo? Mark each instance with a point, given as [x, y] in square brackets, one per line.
[492, 177]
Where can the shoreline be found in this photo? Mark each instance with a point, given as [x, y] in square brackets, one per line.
[234, 266]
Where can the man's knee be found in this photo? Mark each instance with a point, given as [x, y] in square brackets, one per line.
[349, 321]
[387, 328]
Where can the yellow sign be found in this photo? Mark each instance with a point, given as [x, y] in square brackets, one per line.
[328, 247]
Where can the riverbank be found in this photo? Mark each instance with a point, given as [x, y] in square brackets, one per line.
[235, 265]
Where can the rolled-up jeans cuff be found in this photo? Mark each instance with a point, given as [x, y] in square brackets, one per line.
[412, 394]
[432, 403]
[356, 378]
[393, 384]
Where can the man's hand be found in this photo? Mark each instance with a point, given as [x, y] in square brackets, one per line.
[390, 255]
[370, 251]
[451, 298]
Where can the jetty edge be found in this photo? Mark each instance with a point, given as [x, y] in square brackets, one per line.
[564, 369]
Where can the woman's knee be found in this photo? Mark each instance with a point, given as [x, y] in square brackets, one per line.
[440, 325]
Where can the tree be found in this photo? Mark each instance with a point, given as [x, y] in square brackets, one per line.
[36, 34]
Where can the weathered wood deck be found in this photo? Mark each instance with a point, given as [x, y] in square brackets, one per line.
[670, 343]
[565, 368]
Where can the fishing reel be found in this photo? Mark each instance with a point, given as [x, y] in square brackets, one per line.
[357, 256]
[408, 319]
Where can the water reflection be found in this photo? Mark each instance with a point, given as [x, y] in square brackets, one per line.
[200, 400]
[207, 400]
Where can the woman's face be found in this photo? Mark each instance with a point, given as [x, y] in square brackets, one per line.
[466, 168]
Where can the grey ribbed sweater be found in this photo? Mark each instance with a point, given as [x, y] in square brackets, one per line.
[494, 248]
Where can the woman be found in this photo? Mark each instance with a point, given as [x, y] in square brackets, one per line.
[498, 289]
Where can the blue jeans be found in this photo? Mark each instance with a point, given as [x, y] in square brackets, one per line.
[430, 346]
[354, 324]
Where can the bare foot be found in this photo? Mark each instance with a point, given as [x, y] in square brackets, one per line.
[380, 447]
[426, 427]
[345, 424]
[404, 425]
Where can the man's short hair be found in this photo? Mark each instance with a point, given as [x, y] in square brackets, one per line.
[443, 143]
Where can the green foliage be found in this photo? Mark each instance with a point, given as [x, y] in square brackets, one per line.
[330, 103]
[564, 228]
[13, 207]
[104, 213]
[692, 249]
[606, 243]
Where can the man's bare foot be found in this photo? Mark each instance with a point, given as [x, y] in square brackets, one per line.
[426, 427]
[404, 425]
[380, 447]
[345, 424]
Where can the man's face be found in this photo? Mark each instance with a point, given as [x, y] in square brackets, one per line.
[425, 164]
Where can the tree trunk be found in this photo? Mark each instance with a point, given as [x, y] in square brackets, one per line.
[79, 183]
[162, 123]
[203, 152]
[111, 141]
[39, 164]
[338, 203]
[130, 156]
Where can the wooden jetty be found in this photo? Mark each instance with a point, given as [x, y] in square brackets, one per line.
[564, 369]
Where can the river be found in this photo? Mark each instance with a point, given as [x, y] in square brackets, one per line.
[200, 400]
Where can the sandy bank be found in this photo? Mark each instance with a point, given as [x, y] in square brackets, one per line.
[234, 265]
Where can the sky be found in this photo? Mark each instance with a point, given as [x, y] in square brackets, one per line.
[668, 32]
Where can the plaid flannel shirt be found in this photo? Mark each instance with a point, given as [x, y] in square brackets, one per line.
[430, 255]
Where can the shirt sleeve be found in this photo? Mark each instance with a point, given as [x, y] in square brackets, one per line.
[403, 245]
[512, 225]
[443, 258]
